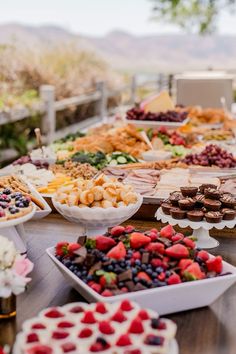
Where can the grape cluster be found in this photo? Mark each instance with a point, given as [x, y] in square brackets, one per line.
[212, 155]
[169, 116]
[26, 159]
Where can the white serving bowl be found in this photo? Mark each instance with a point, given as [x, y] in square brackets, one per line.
[97, 220]
[164, 300]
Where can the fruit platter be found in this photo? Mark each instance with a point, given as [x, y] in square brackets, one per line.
[82, 328]
[143, 266]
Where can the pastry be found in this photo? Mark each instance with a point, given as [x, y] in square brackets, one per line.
[199, 200]
[87, 197]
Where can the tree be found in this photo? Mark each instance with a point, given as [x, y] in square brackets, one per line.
[198, 16]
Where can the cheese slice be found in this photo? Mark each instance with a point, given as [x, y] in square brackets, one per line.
[159, 103]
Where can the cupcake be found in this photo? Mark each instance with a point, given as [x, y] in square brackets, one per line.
[189, 191]
[166, 206]
[204, 186]
[228, 214]
[186, 204]
[213, 216]
[211, 204]
[195, 215]
[212, 193]
[177, 213]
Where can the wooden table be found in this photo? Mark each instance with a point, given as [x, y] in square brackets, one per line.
[203, 331]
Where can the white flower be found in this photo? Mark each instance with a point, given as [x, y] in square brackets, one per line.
[7, 253]
[11, 283]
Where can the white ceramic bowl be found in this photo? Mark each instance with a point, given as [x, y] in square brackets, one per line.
[164, 300]
[97, 220]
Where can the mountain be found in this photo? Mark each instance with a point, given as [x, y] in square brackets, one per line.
[134, 53]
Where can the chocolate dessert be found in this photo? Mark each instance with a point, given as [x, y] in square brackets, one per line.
[228, 214]
[189, 191]
[186, 204]
[195, 215]
[213, 217]
[211, 204]
[204, 186]
[212, 193]
[177, 213]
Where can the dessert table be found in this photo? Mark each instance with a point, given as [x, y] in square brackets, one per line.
[204, 331]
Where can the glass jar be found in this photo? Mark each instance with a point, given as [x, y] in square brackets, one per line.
[8, 307]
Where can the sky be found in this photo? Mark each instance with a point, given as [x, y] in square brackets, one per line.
[95, 17]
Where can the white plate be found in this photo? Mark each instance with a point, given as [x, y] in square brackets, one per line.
[14, 222]
[155, 124]
[164, 300]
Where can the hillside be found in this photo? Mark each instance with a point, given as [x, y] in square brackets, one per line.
[134, 53]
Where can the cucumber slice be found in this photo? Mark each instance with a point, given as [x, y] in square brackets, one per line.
[132, 158]
[109, 158]
[113, 163]
[121, 160]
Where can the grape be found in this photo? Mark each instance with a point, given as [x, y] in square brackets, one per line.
[169, 116]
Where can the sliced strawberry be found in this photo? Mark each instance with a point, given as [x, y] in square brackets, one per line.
[85, 333]
[117, 230]
[204, 255]
[107, 293]
[123, 341]
[184, 263]
[167, 231]
[119, 317]
[174, 279]
[156, 247]
[144, 276]
[215, 264]
[177, 251]
[117, 252]
[68, 347]
[193, 272]
[72, 248]
[104, 243]
[189, 243]
[177, 237]
[32, 338]
[138, 240]
[96, 287]
[106, 328]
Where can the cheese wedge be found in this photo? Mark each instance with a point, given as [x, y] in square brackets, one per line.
[159, 103]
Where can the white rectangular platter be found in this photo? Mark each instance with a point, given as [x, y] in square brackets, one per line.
[164, 300]
[155, 124]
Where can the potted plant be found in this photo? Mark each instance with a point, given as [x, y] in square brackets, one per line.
[14, 269]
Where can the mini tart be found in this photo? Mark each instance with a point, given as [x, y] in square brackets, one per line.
[212, 193]
[166, 206]
[189, 191]
[228, 214]
[212, 205]
[195, 215]
[199, 199]
[186, 204]
[213, 217]
[177, 213]
[175, 197]
[228, 201]
[205, 185]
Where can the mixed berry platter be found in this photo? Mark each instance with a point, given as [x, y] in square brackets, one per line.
[118, 328]
[129, 264]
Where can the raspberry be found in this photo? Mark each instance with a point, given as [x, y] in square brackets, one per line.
[123, 341]
[38, 326]
[143, 315]
[174, 279]
[88, 318]
[85, 333]
[32, 337]
[101, 308]
[136, 326]
[53, 313]
[77, 309]
[65, 324]
[68, 347]
[119, 317]
[106, 328]
[117, 230]
[126, 306]
[60, 335]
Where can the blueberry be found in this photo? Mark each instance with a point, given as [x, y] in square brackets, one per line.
[110, 268]
[149, 271]
[134, 271]
[149, 266]
[122, 264]
[159, 270]
[136, 279]
[143, 267]
[6, 191]
[138, 262]
[121, 284]
[130, 252]
[89, 277]
[84, 272]
[154, 275]
[3, 205]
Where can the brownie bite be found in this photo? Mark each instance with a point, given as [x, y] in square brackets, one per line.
[213, 205]
[199, 199]
[205, 186]
[166, 206]
[189, 191]
[212, 193]
[213, 217]
[195, 215]
[186, 204]
[228, 201]
[228, 214]
[177, 213]
[175, 197]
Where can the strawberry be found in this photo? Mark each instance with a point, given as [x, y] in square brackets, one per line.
[88, 318]
[167, 231]
[144, 276]
[184, 263]
[138, 240]
[62, 248]
[215, 264]
[119, 317]
[123, 341]
[136, 326]
[136, 255]
[107, 293]
[106, 278]
[189, 243]
[204, 255]
[117, 252]
[65, 324]
[174, 279]
[161, 276]
[32, 338]
[85, 333]
[129, 229]
[68, 347]
[126, 305]
[60, 335]
[156, 247]
[106, 328]
[193, 272]
[177, 237]
[101, 308]
[143, 315]
[72, 248]
[104, 243]
[177, 251]
[117, 230]
[154, 230]
[124, 289]
[96, 347]
[152, 235]
[156, 262]
[96, 287]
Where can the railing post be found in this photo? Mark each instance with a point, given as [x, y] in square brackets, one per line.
[102, 103]
[160, 82]
[133, 90]
[47, 95]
